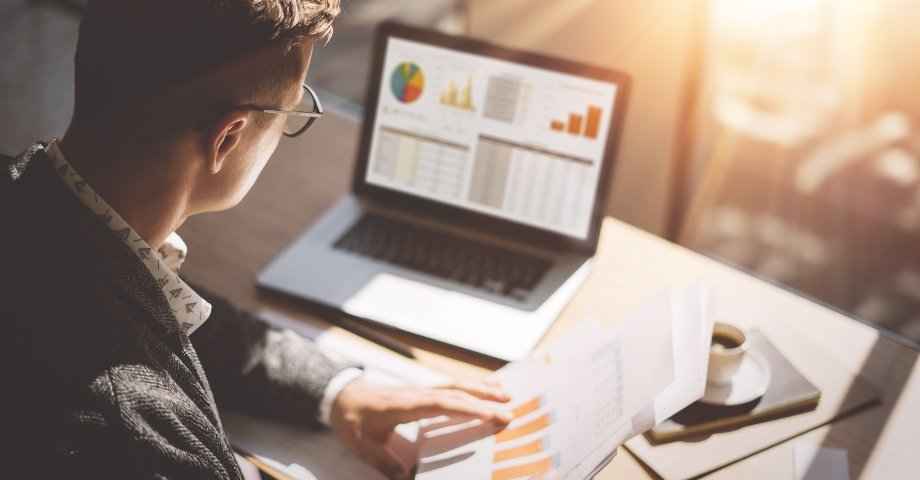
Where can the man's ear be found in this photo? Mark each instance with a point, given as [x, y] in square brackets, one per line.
[224, 135]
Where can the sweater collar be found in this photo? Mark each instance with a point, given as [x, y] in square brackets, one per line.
[188, 308]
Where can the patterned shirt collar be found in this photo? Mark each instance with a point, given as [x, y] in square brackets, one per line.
[190, 309]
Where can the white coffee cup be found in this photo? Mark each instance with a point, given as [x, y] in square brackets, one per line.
[726, 352]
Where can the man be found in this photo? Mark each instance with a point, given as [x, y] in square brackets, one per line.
[110, 358]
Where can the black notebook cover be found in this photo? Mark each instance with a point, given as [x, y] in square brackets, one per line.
[788, 393]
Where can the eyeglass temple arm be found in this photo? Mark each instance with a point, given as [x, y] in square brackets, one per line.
[298, 114]
[319, 106]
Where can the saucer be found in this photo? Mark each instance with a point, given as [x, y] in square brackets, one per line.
[749, 383]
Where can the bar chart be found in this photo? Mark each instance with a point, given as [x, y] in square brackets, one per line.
[580, 124]
[456, 97]
[528, 469]
[536, 446]
[578, 401]
[532, 426]
[525, 448]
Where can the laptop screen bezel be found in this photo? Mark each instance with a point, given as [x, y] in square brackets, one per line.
[459, 216]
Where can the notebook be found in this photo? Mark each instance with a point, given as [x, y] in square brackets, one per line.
[789, 393]
[843, 392]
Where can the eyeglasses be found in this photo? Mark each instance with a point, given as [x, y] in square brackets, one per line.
[300, 119]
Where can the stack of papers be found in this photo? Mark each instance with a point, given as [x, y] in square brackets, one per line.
[577, 399]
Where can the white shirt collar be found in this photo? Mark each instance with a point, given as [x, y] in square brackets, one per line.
[190, 309]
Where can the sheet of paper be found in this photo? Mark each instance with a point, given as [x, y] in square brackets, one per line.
[819, 463]
[580, 397]
[692, 307]
[307, 454]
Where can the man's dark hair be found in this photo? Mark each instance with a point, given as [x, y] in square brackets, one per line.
[131, 48]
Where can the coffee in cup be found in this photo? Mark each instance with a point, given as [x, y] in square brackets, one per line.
[726, 352]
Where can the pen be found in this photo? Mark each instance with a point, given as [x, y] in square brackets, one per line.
[354, 326]
[263, 467]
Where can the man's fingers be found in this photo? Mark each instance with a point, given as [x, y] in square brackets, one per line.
[452, 404]
[492, 382]
[486, 391]
[384, 460]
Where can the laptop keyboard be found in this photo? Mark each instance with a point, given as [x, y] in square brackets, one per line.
[494, 269]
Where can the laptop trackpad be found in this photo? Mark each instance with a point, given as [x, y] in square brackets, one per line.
[446, 315]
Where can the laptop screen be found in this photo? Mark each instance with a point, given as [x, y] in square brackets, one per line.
[505, 139]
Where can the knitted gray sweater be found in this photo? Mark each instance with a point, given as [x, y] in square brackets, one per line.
[99, 382]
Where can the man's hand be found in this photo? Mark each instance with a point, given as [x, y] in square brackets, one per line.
[364, 415]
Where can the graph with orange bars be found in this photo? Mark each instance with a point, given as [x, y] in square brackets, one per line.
[580, 124]
[535, 425]
[507, 449]
[528, 469]
[530, 448]
[529, 406]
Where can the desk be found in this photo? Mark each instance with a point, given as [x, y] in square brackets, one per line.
[308, 174]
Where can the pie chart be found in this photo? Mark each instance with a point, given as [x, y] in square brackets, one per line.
[407, 82]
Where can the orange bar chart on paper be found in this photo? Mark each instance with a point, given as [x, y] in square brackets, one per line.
[578, 401]
[531, 448]
[532, 426]
[529, 406]
[527, 469]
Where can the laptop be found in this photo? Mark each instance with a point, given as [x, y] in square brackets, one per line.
[477, 198]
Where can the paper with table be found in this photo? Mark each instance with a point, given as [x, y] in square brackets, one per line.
[581, 396]
[575, 400]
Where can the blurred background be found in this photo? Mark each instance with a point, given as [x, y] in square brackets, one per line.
[779, 136]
